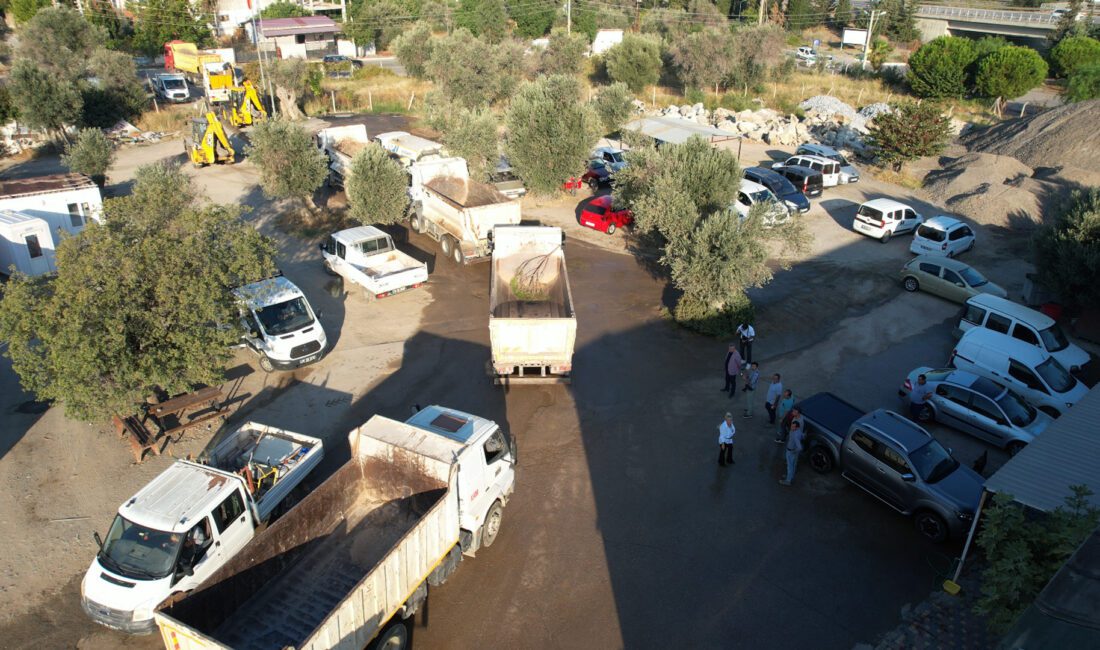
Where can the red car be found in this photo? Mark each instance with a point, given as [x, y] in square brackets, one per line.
[599, 215]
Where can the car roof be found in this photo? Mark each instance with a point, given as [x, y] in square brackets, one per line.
[769, 174]
[943, 222]
[800, 171]
[886, 204]
[939, 260]
[178, 497]
[820, 148]
[602, 201]
[907, 434]
[818, 159]
[1020, 350]
[608, 150]
[752, 187]
[264, 293]
[357, 234]
[1036, 319]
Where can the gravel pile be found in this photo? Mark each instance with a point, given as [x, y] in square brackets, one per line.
[1064, 137]
[991, 190]
[831, 106]
[871, 111]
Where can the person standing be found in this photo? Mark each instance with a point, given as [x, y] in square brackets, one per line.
[771, 400]
[725, 441]
[732, 368]
[918, 396]
[786, 403]
[794, 448]
[752, 375]
[746, 334]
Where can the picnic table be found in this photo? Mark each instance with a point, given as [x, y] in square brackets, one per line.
[169, 418]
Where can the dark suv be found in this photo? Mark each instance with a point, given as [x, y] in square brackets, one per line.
[805, 180]
[780, 186]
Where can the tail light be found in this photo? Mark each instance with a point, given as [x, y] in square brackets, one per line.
[908, 385]
[562, 369]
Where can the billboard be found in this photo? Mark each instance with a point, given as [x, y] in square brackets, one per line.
[854, 37]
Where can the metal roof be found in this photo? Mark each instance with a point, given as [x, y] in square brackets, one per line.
[677, 131]
[10, 188]
[1067, 453]
[178, 497]
[12, 218]
[272, 27]
[265, 293]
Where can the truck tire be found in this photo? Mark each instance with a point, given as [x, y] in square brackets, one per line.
[414, 223]
[395, 636]
[821, 459]
[447, 245]
[491, 527]
[931, 526]
[458, 256]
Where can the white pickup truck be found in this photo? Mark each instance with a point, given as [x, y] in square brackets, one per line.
[532, 323]
[279, 324]
[456, 211]
[341, 144]
[190, 520]
[348, 565]
[366, 256]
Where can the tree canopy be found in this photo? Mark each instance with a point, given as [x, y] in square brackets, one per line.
[1074, 52]
[158, 21]
[486, 19]
[473, 73]
[1067, 254]
[939, 68]
[91, 154]
[413, 48]
[45, 101]
[614, 106]
[291, 167]
[1084, 83]
[473, 135]
[284, 9]
[1010, 72]
[376, 188]
[636, 61]
[909, 132]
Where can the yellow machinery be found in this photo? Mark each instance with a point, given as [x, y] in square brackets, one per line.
[207, 143]
[245, 105]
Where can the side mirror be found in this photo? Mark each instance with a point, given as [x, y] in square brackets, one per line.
[253, 334]
[189, 570]
[321, 246]
[908, 477]
[98, 540]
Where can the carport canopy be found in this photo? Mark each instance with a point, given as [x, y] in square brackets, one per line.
[671, 130]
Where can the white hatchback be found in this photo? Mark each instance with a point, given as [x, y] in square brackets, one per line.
[944, 236]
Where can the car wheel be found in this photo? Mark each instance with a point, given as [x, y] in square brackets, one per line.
[970, 247]
[885, 237]
[394, 637]
[593, 184]
[910, 284]
[491, 526]
[821, 460]
[950, 255]
[1015, 447]
[447, 245]
[931, 526]
[265, 364]
[926, 414]
[611, 229]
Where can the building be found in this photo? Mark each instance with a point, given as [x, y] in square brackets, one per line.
[66, 202]
[26, 245]
[311, 37]
[606, 39]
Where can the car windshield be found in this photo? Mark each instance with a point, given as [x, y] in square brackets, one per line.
[972, 277]
[928, 232]
[285, 317]
[868, 211]
[597, 209]
[763, 196]
[1054, 338]
[174, 84]
[779, 185]
[839, 158]
[1056, 376]
[138, 552]
[1018, 411]
[614, 156]
[932, 462]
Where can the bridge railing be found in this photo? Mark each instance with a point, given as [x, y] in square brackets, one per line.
[989, 15]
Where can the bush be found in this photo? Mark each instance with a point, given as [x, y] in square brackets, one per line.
[484, 18]
[910, 132]
[737, 102]
[91, 154]
[376, 188]
[709, 321]
[614, 106]
[1067, 254]
[413, 48]
[291, 167]
[1074, 52]
[532, 20]
[563, 55]
[1084, 83]
[473, 73]
[635, 62]
[938, 68]
[1010, 72]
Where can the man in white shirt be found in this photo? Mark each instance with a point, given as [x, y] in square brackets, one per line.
[725, 441]
[746, 334]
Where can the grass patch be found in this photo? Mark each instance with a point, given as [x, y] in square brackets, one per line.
[169, 118]
[374, 92]
[905, 179]
[309, 224]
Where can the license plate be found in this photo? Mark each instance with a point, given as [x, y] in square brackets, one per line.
[303, 361]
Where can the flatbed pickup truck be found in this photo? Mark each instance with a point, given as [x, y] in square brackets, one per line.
[366, 256]
[894, 460]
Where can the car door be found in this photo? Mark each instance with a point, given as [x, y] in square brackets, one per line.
[988, 422]
[953, 286]
[1029, 383]
[959, 239]
[498, 469]
[231, 523]
[1025, 334]
[859, 458]
[952, 406]
[930, 279]
[909, 220]
[895, 479]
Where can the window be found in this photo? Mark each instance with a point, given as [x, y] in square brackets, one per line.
[974, 314]
[228, 511]
[909, 214]
[743, 199]
[832, 168]
[952, 277]
[597, 210]
[865, 442]
[370, 246]
[930, 269]
[495, 447]
[893, 460]
[1023, 374]
[954, 394]
[972, 277]
[299, 38]
[998, 323]
[75, 218]
[1025, 334]
[928, 232]
[33, 247]
[818, 167]
[341, 250]
[958, 233]
[982, 405]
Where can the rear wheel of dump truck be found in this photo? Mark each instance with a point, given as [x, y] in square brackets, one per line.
[447, 244]
[395, 636]
[491, 526]
[458, 255]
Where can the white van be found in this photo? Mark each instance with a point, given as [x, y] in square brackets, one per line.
[280, 325]
[884, 218]
[830, 169]
[1026, 369]
[1020, 322]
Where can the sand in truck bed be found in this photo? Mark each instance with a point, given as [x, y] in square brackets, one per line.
[350, 147]
[529, 285]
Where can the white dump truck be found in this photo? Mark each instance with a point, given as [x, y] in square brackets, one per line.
[407, 148]
[367, 257]
[279, 324]
[353, 560]
[191, 520]
[456, 211]
[532, 324]
[341, 144]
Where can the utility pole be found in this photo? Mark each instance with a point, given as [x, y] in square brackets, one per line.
[763, 11]
[568, 16]
[637, 15]
[867, 40]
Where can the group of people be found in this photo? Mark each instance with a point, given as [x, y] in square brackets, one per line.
[778, 402]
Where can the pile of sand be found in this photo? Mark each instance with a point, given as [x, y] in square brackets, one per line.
[1062, 138]
[992, 190]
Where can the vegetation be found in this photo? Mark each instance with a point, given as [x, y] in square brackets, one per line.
[44, 101]
[132, 304]
[635, 62]
[563, 55]
[550, 132]
[116, 91]
[1009, 72]
[939, 68]
[376, 188]
[284, 9]
[291, 80]
[473, 135]
[1067, 254]
[1074, 52]
[705, 58]
[413, 48]
[532, 20]
[484, 18]
[291, 167]
[473, 73]
[910, 132]
[24, 10]
[158, 21]
[91, 154]
[614, 106]
[1024, 552]
[374, 24]
[880, 51]
[1084, 83]
[59, 41]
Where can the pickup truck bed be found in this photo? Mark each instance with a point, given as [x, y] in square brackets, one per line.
[388, 264]
[829, 415]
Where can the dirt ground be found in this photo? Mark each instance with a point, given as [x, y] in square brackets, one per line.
[621, 533]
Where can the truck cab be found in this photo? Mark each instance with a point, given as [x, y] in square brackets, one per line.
[279, 324]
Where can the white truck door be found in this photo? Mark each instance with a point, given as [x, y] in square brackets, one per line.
[199, 556]
[474, 488]
[233, 523]
[499, 469]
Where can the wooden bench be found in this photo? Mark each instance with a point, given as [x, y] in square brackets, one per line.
[140, 438]
[209, 398]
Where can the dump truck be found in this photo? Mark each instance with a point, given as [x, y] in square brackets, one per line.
[191, 520]
[532, 324]
[366, 256]
[187, 58]
[218, 81]
[454, 210]
[341, 144]
[353, 560]
[407, 149]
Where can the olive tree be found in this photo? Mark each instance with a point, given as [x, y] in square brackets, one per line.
[909, 132]
[1067, 253]
[291, 167]
[473, 135]
[291, 79]
[413, 48]
[473, 73]
[91, 154]
[636, 61]
[376, 188]
[614, 104]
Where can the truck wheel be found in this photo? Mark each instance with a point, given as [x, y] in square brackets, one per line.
[447, 245]
[885, 237]
[821, 460]
[910, 284]
[328, 268]
[931, 526]
[458, 255]
[414, 223]
[491, 526]
[395, 636]
[265, 364]
[1051, 411]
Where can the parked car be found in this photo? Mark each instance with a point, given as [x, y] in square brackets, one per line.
[751, 194]
[780, 187]
[597, 174]
[806, 53]
[599, 214]
[830, 170]
[848, 173]
[804, 179]
[1000, 314]
[946, 278]
[1026, 369]
[504, 178]
[884, 218]
[978, 406]
[340, 58]
[612, 157]
[942, 236]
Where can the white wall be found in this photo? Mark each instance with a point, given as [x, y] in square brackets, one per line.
[53, 207]
[14, 250]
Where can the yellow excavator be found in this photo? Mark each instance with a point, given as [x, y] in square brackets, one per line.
[207, 143]
[246, 108]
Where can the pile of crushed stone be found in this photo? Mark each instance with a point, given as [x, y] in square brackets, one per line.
[991, 190]
[1064, 138]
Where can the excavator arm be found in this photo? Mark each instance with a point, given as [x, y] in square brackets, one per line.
[250, 108]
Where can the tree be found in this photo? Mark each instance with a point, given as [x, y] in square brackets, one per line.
[1084, 83]
[374, 23]
[636, 61]
[159, 21]
[910, 132]
[614, 105]
[1010, 72]
[284, 9]
[291, 167]
[703, 58]
[564, 54]
[473, 135]
[757, 53]
[1069, 23]
[880, 51]
[376, 188]
[413, 48]
[484, 18]
[988, 45]
[473, 73]
[939, 68]
[119, 29]
[291, 80]
[898, 19]
[44, 100]
[800, 15]
[8, 110]
[59, 41]
[135, 300]
[842, 15]
[117, 91]
[1067, 254]
[550, 132]
[24, 10]
[91, 154]
[1023, 552]
[532, 20]
[1074, 52]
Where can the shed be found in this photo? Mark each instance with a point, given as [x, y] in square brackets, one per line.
[670, 130]
[25, 244]
[606, 39]
[67, 202]
[308, 37]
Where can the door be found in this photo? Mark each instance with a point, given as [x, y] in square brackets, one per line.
[199, 556]
[909, 220]
[952, 406]
[40, 260]
[953, 286]
[989, 423]
[960, 239]
[1028, 382]
[474, 488]
[859, 458]
[894, 477]
[232, 524]
[499, 468]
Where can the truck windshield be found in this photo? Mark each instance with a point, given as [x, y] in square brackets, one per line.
[285, 317]
[932, 462]
[174, 84]
[1056, 376]
[138, 552]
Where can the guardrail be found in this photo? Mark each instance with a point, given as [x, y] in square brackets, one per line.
[987, 15]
